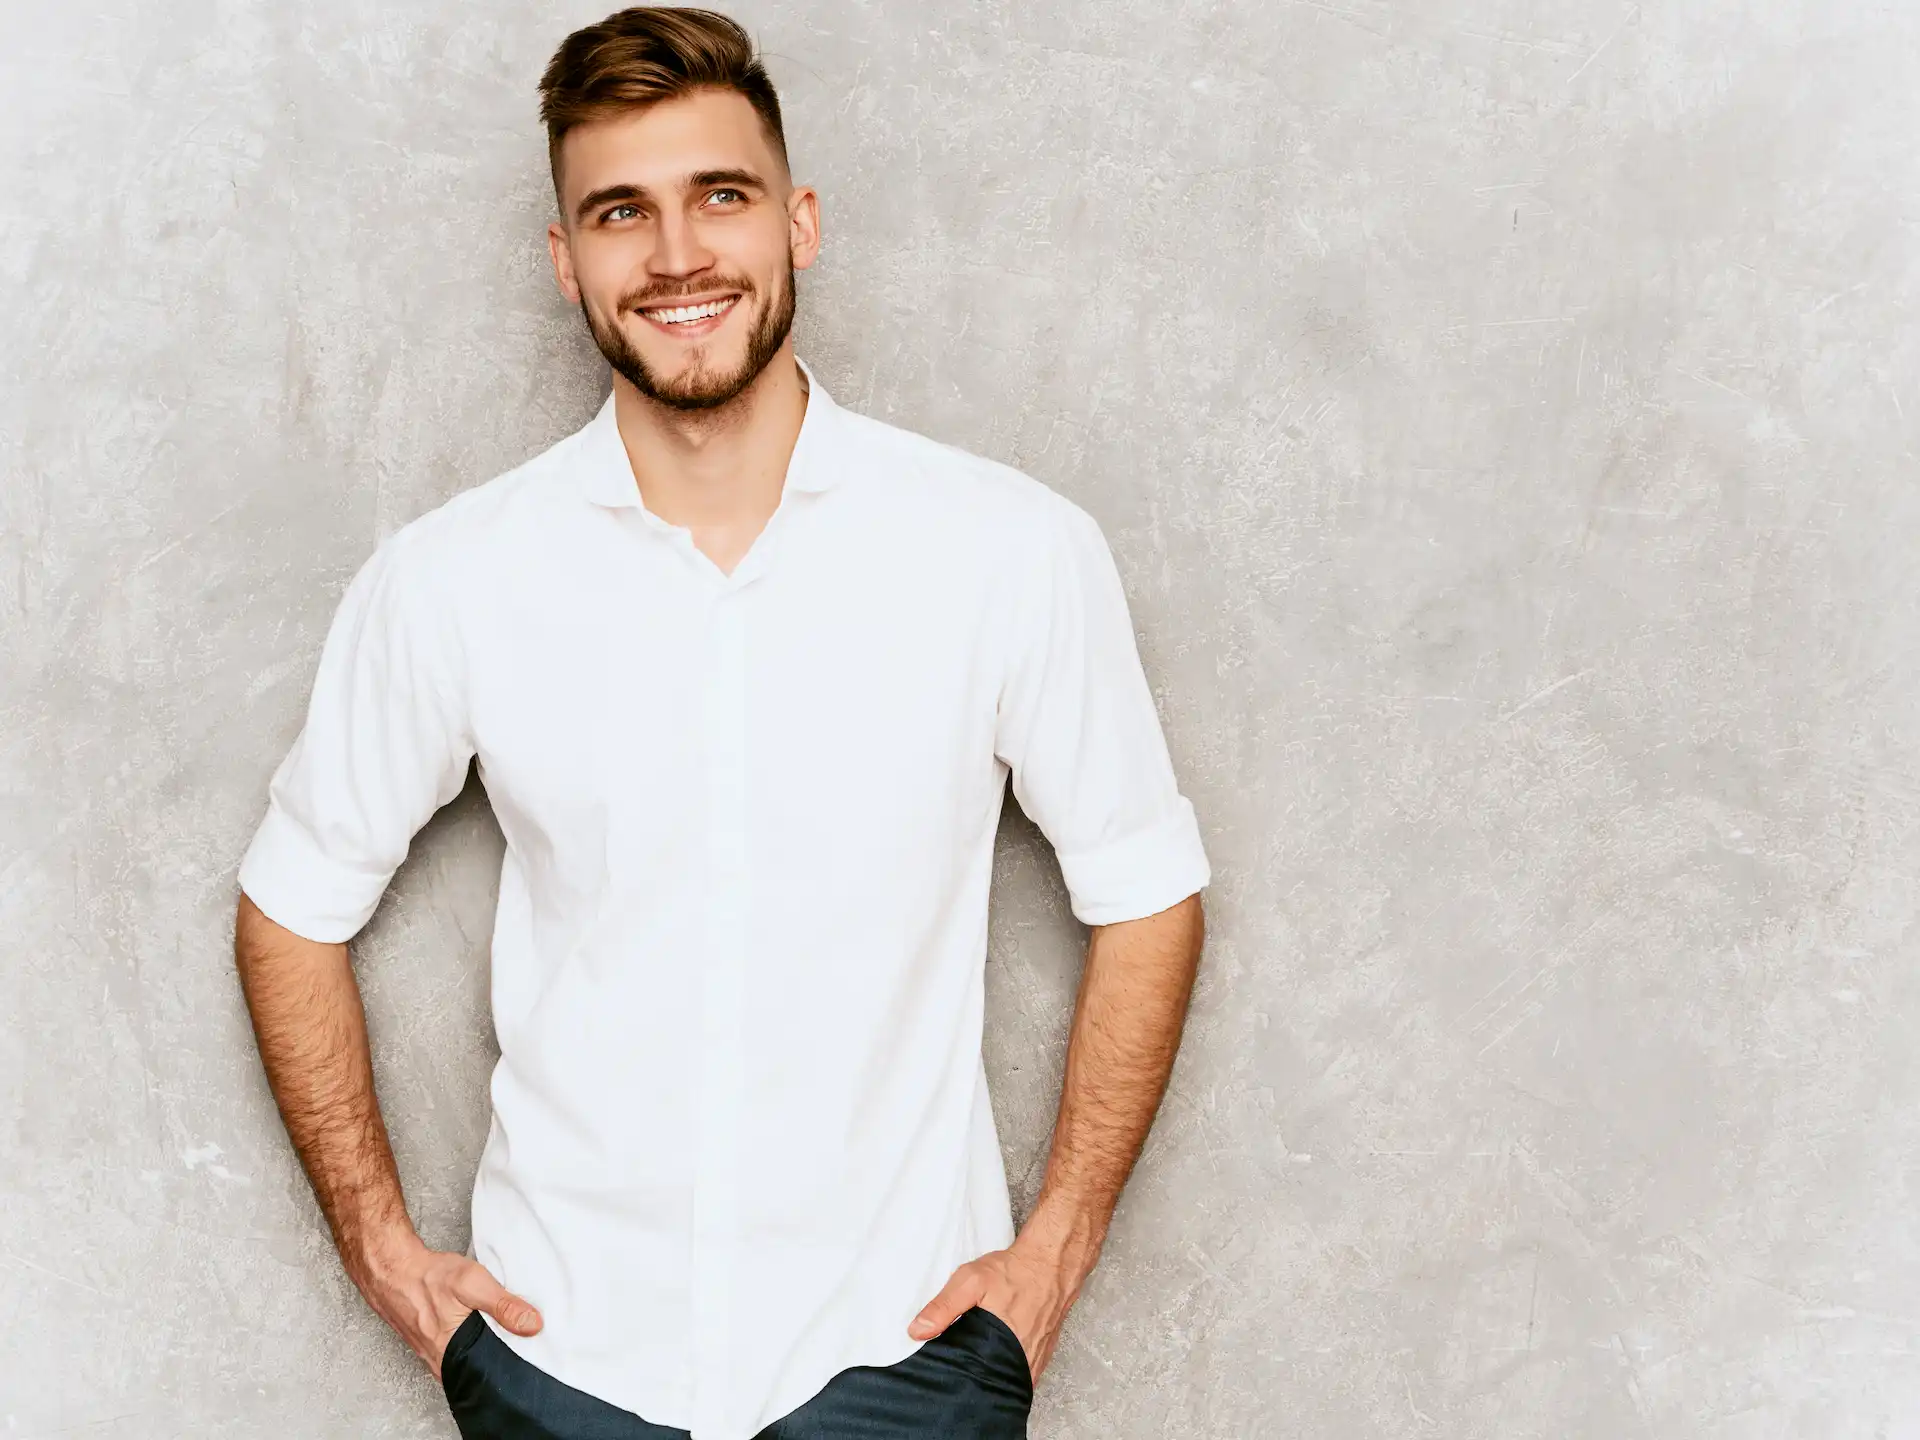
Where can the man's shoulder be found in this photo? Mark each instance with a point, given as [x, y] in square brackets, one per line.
[942, 474]
[503, 510]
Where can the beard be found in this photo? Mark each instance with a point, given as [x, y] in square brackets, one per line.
[700, 387]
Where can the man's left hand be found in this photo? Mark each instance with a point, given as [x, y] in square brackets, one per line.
[1030, 1291]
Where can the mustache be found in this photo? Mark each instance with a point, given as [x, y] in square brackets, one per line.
[649, 296]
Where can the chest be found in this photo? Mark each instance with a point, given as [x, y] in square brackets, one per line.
[863, 683]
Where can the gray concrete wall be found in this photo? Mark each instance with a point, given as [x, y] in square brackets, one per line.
[1505, 417]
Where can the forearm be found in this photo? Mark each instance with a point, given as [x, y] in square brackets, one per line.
[312, 1034]
[1126, 1030]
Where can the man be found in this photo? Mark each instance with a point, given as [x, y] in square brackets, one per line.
[746, 675]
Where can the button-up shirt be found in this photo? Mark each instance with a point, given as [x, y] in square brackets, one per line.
[740, 1125]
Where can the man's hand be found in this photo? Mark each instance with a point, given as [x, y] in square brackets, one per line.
[1029, 1288]
[425, 1295]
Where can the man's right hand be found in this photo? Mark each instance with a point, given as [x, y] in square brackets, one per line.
[426, 1294]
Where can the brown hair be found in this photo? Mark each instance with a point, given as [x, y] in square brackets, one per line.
[638, 57]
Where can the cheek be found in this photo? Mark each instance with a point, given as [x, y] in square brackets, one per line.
[608, 268]
[763, 255]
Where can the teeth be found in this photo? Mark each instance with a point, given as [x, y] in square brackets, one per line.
[682, 314]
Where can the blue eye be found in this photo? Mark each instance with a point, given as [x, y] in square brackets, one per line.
[614, 213]
[716, 195]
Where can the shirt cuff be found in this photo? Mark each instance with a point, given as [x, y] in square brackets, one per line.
[1142, 874]
[300, 887]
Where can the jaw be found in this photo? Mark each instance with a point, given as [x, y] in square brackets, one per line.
[700, 370]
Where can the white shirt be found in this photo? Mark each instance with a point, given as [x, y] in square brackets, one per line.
[741, 1131]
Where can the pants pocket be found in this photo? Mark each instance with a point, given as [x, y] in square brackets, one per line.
[1004, 1345]
[460, 1342]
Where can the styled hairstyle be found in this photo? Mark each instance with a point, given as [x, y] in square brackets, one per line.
[638, 57]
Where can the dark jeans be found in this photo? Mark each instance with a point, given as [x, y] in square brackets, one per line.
[970, 1382]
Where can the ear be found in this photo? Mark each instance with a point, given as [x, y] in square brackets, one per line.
[803, 226]
[561, 249]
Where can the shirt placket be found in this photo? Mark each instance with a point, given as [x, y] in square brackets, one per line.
[721, 1063]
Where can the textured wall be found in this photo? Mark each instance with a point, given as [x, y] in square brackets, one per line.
[1504, 414]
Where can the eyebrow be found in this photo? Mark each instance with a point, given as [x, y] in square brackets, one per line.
[699, 180]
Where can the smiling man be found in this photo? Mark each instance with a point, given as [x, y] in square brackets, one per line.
[746, 675]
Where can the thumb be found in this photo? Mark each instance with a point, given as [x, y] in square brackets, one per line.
[480, 1290]
[958, 1295]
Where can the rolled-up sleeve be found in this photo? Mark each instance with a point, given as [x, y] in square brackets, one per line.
[1078, 730]
[385, 744]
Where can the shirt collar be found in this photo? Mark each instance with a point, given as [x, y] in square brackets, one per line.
[606, 474]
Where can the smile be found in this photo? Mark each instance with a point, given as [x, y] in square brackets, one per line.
[689, 315]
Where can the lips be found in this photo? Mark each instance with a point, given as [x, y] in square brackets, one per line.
[694, 316]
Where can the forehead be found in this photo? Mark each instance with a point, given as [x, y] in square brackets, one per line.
[660, 146]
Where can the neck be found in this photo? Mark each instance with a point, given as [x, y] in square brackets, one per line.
[723, 467]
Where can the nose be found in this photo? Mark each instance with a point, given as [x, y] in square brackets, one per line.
[680, 252]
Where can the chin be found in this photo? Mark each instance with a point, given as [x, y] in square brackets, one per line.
[700, 377]
[699, 387]
[702, 367]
